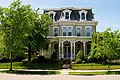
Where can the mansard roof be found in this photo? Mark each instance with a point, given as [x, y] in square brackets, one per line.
[74, 12]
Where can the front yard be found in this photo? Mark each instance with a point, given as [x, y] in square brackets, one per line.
[93, 66]
[19, 65]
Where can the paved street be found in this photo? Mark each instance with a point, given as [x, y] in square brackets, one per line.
[4, 76]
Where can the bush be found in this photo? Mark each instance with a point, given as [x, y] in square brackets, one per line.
[79, 57]
[78, 61]
[54, 57]
[4, 59]
[25, 61]
[40, 59]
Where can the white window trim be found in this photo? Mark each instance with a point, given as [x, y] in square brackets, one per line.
[54, 29]
[86, 29]
[66, 29]
[69, 11]
[80, 13]
[80, 29]
[52, 12]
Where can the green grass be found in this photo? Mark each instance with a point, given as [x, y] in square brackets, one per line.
[93, 66]
[19, 65]
[95, 73]
[30, 72]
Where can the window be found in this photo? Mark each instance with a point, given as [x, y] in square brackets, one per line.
[64, 31]
[56, 31]
[69, 31]
[51, 16]
[66, 15]
[78, 31]
[88, 31]
[83, 16]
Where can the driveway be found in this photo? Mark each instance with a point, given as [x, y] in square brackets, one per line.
[4, 76]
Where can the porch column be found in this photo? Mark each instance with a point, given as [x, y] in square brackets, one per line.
[59, 51]
[74, 50]
[71, 51]
[62, 50]
[84, 49]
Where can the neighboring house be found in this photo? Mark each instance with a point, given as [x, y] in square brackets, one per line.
[71, 31]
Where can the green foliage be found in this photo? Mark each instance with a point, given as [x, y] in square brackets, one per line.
[79, 57]
[31, 72]
[54, 56]
[23, 29]
[105, 46]
[4, 59]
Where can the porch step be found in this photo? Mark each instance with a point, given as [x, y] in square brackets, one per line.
[66, 64]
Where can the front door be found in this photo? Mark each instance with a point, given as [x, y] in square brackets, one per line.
[67, 50]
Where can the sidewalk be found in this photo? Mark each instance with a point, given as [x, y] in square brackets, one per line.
[63, 71]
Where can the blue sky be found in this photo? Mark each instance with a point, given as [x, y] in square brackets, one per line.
[107, 12]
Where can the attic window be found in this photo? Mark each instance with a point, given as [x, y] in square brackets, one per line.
[66, 15]
[51, 16]
[82, 16]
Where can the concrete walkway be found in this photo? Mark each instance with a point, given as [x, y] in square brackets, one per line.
[63, 71]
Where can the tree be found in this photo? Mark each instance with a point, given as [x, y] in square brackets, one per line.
[21, 26]
[105, 46]
[36, 39]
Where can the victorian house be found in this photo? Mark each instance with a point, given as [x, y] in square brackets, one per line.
[71, 31]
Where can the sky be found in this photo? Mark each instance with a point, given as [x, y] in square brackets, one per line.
[107, 12]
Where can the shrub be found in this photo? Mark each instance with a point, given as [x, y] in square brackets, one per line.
[78, 61]
[25, 61]
[79, 57]
[40, 59]
[4, 59]
[54, 57]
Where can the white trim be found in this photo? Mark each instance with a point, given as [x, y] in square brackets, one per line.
[52, 12]
[69, 11]
[80, 13]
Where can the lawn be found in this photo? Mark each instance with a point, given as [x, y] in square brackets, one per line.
[30, 72]
[93, 66]
[19, 65]
[95, 73]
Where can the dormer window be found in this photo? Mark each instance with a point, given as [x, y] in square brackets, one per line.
[82, 14]
[51, 16]
[66, 15]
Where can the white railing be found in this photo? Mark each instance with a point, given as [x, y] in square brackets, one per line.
[69, 37]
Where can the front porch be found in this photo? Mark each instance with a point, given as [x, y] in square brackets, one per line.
[68, 49]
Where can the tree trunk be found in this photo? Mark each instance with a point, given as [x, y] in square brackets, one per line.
[29, 54]
[10, 61]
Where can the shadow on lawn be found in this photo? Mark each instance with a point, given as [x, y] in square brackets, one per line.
[113, 72]
[31, 72]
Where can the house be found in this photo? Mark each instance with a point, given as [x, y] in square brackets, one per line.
[71, 31]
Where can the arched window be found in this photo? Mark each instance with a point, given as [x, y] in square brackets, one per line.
[66, 15]
[83, 16]
[51, 16]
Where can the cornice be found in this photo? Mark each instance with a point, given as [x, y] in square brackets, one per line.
[77, 23]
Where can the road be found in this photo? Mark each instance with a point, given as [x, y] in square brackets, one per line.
[4, 76]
